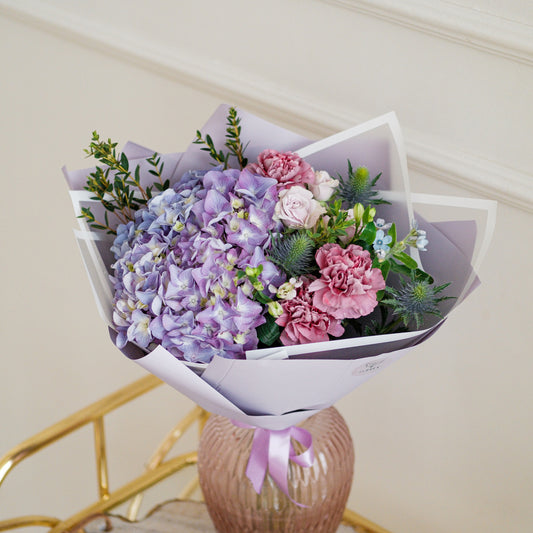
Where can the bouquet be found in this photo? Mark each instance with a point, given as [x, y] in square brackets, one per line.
[257, 261]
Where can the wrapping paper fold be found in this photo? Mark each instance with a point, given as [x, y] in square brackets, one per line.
[280, 387]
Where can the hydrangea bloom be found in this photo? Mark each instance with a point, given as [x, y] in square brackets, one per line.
[175, 275]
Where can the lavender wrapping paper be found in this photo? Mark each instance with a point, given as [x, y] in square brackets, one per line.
[277, 388]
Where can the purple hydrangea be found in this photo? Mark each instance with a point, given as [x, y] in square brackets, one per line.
[176, 271]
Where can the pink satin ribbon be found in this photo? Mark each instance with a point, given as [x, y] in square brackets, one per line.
[272, 450]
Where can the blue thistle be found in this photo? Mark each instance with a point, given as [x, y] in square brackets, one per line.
[358, 188]
[294, 253]
[415, 299]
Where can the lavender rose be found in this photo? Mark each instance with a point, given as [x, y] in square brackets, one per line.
[287, 168]
[348, 284]
[297, 208]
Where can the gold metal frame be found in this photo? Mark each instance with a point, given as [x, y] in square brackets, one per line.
[157, 468]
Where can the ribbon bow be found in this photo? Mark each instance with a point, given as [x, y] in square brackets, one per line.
[272, 450]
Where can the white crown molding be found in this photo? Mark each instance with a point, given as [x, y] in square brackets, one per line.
[467, 171]
[460, 24]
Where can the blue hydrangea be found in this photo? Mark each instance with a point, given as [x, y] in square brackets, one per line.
[175, 275]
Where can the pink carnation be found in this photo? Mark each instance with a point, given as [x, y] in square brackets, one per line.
[348, 284]
[287, 168]
[303, 323]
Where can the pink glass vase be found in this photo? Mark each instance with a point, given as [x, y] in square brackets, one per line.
[323, 488]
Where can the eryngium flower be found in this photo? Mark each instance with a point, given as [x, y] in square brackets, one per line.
[358, 188]
[414, 299]
[294, 252]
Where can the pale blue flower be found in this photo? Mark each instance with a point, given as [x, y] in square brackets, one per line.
[382, 241]
[421, 240]
[381, 224]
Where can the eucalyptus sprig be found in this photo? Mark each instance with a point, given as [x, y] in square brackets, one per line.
[218, 155]
[157, 170]
[233, 137]
[233, 142]
[115, 186]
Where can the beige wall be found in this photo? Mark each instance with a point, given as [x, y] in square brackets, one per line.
[442, 436]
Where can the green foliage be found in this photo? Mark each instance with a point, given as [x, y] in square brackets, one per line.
[380, 324]
[157, 171]
[269, 332]
[115, 186]
[331, 227]
[233, 137]
[219, 156]
[233, 142]
[368, 235]
[294, 253]
[407, 260]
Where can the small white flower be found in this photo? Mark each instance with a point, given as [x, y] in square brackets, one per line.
[287, 291]
[237, 203]
[381, 254]
[422, 242]
[240, 338]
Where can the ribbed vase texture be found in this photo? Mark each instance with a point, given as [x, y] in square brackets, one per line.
[235, 507]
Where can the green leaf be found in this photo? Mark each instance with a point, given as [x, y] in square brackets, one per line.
[400, 268]
[420, 275]
[407, 260]
[124, 161]
[369, 233]
[261, 298]
[363, 244]
[269, 332]
[385, 267]
[392, 233]
[375, 180]
[366, 215]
